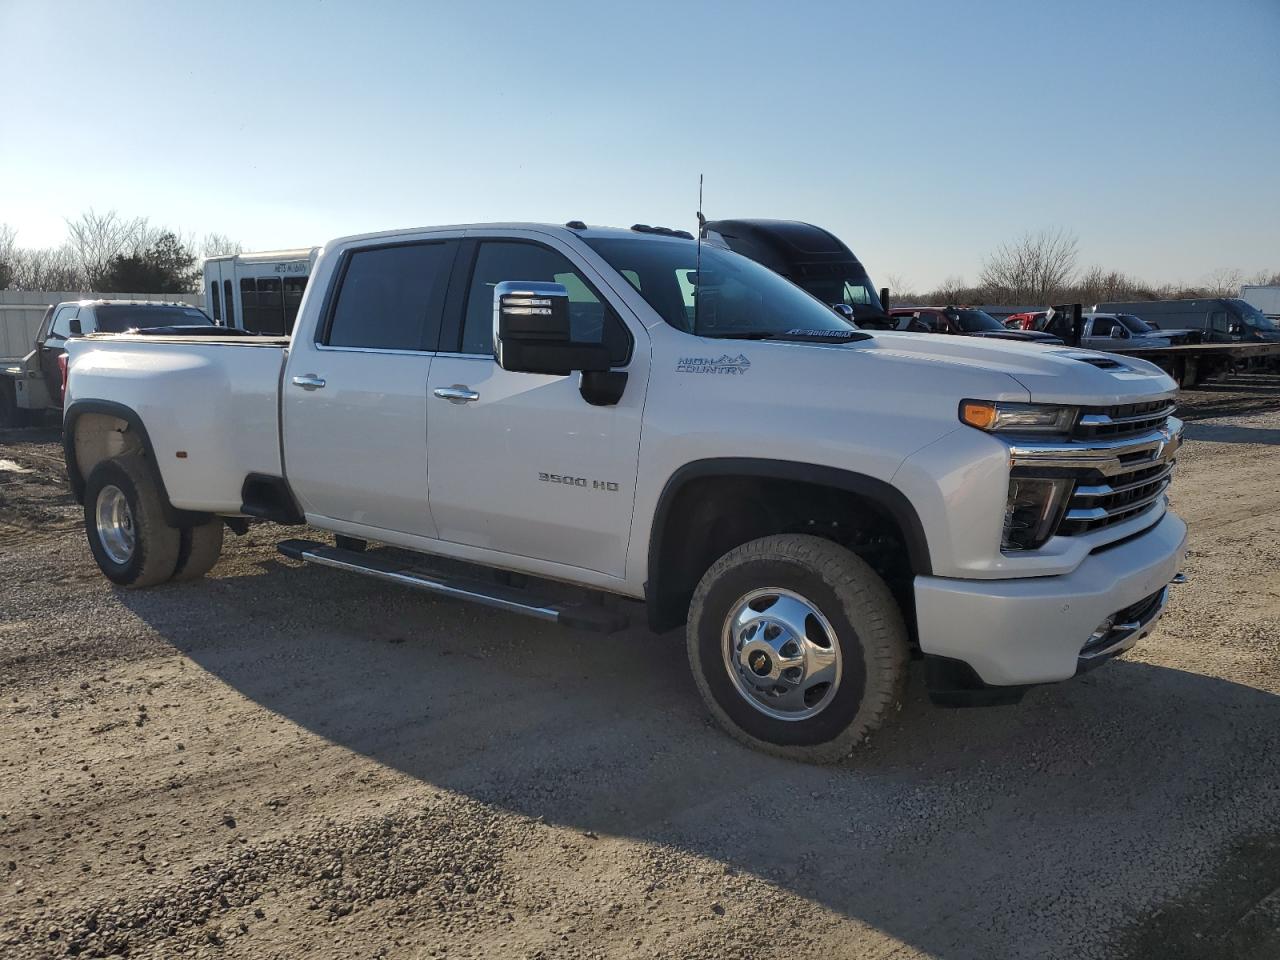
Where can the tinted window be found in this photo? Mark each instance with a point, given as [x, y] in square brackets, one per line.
[230, 301]
[973, 321]
[262, 303]
[591, 320]
[215, 301]
[293, 287]
[390, 297]
[735, 295]
[1102, 326]
[117, 318]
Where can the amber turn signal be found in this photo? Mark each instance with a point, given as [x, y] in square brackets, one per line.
[978, 414]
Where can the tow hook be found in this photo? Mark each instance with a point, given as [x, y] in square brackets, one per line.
[1179, 579]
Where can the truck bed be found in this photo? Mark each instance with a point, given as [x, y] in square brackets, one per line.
[209, 405]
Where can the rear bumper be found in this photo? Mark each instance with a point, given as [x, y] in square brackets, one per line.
[1035, 630]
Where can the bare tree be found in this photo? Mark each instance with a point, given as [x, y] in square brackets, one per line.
[8, 250]
[217, 245]
[1224, 282]
[1035, 268]
[1266, 278]
[901, 290]
[53, 268]
[96, 239]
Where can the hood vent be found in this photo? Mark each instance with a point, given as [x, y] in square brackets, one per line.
[1103, 363]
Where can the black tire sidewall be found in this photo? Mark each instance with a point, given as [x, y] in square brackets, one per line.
[730, 587]
[110, 473]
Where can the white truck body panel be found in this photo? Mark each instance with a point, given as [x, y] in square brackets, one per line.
[377, 453]
[214, 400]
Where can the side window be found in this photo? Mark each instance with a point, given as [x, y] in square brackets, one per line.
[1220, 321]
[591, 319]
[215, 301]
[293, 288]
[391, 298]
[230, 301]
[61, 328]
[270, 309]
[1102, 326]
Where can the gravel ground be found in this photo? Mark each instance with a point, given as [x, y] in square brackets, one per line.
[283, 762]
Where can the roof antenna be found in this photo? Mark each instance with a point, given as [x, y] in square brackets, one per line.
[697, 271]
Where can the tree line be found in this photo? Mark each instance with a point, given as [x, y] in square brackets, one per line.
[1043, 268]
[108, 253]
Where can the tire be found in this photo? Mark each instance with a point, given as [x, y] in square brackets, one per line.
[854, 615]
[150, 554]
[198, 551]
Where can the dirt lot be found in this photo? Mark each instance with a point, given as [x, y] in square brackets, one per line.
[288, 762]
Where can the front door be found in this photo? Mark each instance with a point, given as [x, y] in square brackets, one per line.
[53, 346]
[355, 396]
[520, 463]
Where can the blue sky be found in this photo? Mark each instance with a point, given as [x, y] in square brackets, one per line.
[923, 133]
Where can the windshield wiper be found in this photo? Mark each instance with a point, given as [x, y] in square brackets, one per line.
[793, 336]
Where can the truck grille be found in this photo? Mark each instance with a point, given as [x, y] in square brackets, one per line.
[1119, 461]
[1127, 420]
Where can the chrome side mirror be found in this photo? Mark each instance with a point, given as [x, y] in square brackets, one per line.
[844, 310]
[532, 332]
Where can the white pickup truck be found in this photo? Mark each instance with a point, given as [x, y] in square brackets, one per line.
[559, 421]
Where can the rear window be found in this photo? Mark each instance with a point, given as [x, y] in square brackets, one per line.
[118, 318]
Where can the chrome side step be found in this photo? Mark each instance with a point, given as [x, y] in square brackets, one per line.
[475, 590]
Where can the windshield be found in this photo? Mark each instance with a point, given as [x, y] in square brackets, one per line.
[855, 291]
[735, 296]
[117, 318]
[1253, 316]
[974, 321]
[1135, 324]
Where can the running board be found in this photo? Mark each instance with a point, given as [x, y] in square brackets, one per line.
[513, 600]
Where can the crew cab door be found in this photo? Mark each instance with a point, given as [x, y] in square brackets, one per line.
[354, 393]
[520, 463]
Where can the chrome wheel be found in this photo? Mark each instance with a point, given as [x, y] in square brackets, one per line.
[115, 525]
[781, 654]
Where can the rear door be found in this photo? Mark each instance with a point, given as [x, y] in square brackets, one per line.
[520, 463]
[355, 390]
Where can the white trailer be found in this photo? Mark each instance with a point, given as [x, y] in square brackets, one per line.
[1266, 299]
[257, 291]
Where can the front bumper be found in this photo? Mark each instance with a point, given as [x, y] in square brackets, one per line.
[1034, 630]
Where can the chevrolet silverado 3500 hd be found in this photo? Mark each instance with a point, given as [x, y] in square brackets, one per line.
[551, 412]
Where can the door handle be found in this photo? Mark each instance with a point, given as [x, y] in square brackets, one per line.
[308, 381]
[458, 393]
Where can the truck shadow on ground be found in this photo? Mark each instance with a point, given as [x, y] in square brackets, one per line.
[1064, 812]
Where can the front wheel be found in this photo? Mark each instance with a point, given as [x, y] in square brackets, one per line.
[124, 521]
[797, 647]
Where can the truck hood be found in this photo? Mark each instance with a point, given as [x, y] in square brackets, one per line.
[1051, 374]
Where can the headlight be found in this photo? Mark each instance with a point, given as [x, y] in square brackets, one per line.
[1005, 417]
[1033, 511]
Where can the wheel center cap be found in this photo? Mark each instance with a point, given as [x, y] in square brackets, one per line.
[759, 663]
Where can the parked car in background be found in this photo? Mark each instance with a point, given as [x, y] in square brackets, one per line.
[812, 258]
[33, 383]
[1034, 320]
[1125, 332]
[964, 321]
[1217, 319]
[1263, 298]
[258, 292]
